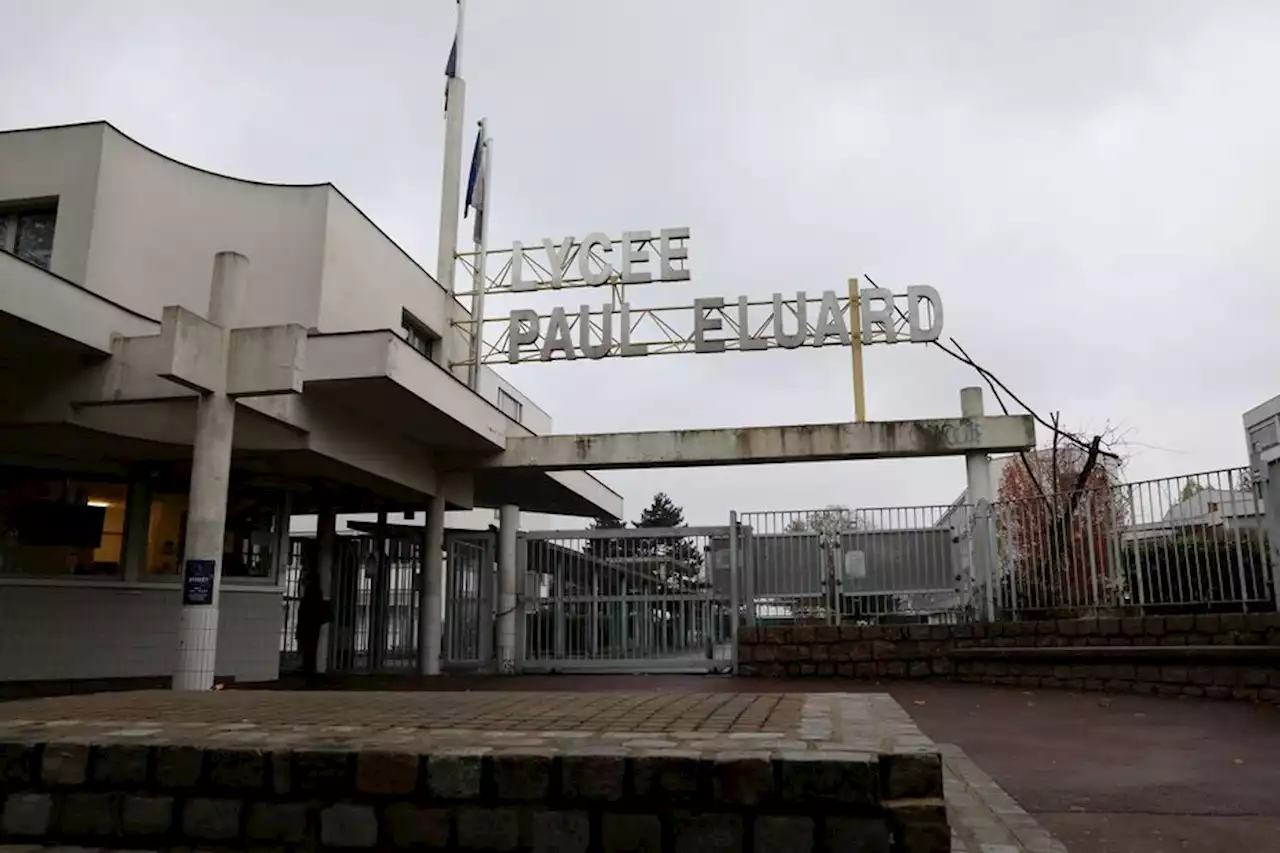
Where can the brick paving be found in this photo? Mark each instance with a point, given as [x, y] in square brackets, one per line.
[479, 711]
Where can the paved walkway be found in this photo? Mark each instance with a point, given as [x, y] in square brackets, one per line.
[1104, 774]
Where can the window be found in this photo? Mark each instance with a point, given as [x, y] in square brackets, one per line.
[510, 406]
[28, 234]
[249, 542]
[418, 335]
[59, 528]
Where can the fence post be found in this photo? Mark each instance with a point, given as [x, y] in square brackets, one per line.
[1139, 580]
[733, 591]
[1092, 546]
[1270, 494]
[978, 475]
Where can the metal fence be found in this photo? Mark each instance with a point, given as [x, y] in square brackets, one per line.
[638, 600]
[1174, 545]
[834, 566]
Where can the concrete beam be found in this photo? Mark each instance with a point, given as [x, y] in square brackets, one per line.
[762, 445]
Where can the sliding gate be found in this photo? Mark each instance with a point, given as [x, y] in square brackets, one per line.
[640, 600]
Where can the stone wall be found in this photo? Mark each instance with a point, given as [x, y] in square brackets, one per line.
[635, 793]
[1224, 656]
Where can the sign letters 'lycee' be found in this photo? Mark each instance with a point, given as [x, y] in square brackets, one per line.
[594, 258]
[714, 323]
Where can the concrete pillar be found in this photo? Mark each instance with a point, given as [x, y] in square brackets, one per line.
[978, 483]
[431, 608]
[137, 525]
[508, 568]
[207, 503]
[1270, 493]
[326, 555]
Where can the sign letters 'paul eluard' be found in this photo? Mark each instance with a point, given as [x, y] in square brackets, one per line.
[711, 324]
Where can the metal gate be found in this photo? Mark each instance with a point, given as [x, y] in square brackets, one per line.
[374, 590]
[468, 599]
[640, 600]
[840, 566]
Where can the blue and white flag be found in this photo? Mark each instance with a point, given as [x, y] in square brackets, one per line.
[476, 180]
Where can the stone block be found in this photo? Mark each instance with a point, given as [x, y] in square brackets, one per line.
[26, 814]
[700, 833]
[408, 825]
[1180, 624]
[1217, 691]
[667, 776]
[89, 814]
[742, 779]
[805, 778]
[858, 835]
[121, 764]
[819, 652]
[1254, 677]
[237, 769]
[523, 775]
[561, 832]
[774, 636]
[918, 669]
[210, 819]
[1208, 623]
[17, 764]
[850, 633]
[178, 767]
[827, 634]
[1132, 626]
[746, 654]
[146, 815]
[285, 823]
[1229, 622]
[596, 775]
[455, 774]
[748, 635]
[808, 669]
[783, 832]
[64, 764]
[348, 825]
[918, 632]
[865, 670]
[1174, 675]
[845, 670]
[910, 775]
[387, 773]
[320, 772]
[920, 825]
[1154, 626]
[1192, 690]
[802, 635]
[788, 653]
[942, 666]
[895, 668]
[1168, 689]
[860, 652]
[871, 632]
[766, 654]
[488, 829]
[631, 833]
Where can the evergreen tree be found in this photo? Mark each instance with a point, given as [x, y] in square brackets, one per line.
[676, 561]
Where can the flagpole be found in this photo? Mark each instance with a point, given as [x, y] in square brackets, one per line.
[451, 179]
[855, 338]
[478, 281]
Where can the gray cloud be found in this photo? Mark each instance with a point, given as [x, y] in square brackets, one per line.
[1086, 183]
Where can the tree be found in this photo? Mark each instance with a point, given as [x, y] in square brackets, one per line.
[674, 560]
[605, 546]
[1190, 490]
[1059, 511]
[832, 520]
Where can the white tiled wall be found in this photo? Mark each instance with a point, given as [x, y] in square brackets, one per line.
[63, 632]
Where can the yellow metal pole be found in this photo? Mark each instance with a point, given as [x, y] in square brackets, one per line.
[855, 331]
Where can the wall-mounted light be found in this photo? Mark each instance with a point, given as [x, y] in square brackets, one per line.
[100, 504]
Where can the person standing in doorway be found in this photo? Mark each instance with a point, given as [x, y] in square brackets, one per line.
[314, 612]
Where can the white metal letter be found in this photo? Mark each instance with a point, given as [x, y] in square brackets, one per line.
[746, 340]
[830, 321]
[518, 282]
[802, 325]
[601, 349]
[557, 260]
[634, 257]
[522, 328]
[882, 316]
[589, 274]
[704, 321]
[669, 253]
[624, 335]
[916, 295]
[557, 337]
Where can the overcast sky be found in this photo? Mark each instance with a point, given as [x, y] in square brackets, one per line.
[1087, 184]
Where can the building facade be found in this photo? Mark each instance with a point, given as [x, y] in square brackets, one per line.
[106, 255]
